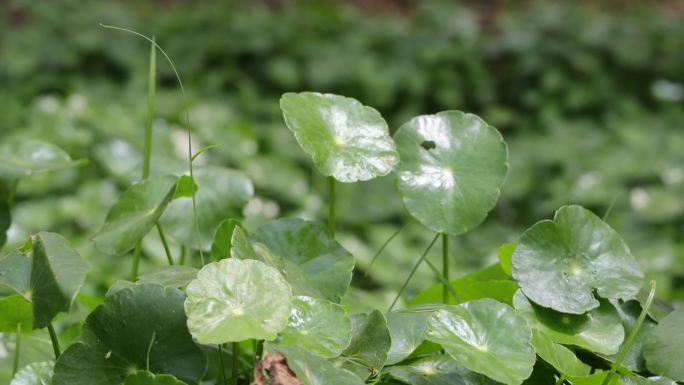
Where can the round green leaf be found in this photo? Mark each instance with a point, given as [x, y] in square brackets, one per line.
[451, 170]
[235, 300]
[636, 380]
[37, 373]
[599, 330]
[557, 355]
[370, 343]
[437, 370]
[134, 214]
[407, 330]
[221, 194]
[118, 335]
[143, 377]
[314, 370]
[23, 157]
[57, 273]
[317, 325]
[221, 244]
[664, 347]
[346, 140]
[314, 255]
[15, 272]
[559, 263]
[487, 337]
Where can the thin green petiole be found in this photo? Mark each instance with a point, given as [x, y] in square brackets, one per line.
[222, 366]
[413, 271]
[165, 244]
[632, 335]
[149, 350]
[236, 363]
[17, 350]
[445, 267]
[55, 340]
[382, 248]
[151, 90]
[444, 282]
[186, 107]
[136, 262]
[561, 380]
[331, 206]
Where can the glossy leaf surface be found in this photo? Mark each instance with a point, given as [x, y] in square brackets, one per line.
[346, 140]
[599, 331]
[319, 260]
[134, 214]
[235, 300]
[317, 325]
[558, 264]
[451, 170]
[221, 243]
[369, 345]
[407, 330]
[487, 337]
[437, 370]
[118, 334]
[664, 347]
[557, 355]
[177, 276]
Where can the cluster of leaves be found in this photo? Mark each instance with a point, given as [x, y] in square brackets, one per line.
[564, 303]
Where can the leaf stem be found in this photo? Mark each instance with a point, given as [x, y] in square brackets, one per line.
[17, 350]
[222, 366]
[632, 335]
[149, 351]
[182, 256]
[445, 267]
[331, 206]
[236, 363]
[54, 339]
[413, 271]
[136, 262]
[186, 107]
[561, 380]
[165, 244]
[151, 90]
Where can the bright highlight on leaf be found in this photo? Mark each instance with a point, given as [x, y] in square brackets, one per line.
[235, 300]
[558, 264]
[451, 170]
[347, 140]
[37, 373]
[134, 214]
[486, 337]
[437, 370]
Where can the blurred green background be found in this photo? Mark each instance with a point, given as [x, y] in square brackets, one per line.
[589, 96]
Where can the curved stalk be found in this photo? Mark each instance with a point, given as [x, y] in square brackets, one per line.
[165, 244]
[222, 366]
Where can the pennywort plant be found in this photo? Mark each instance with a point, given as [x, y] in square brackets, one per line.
[566, 304]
